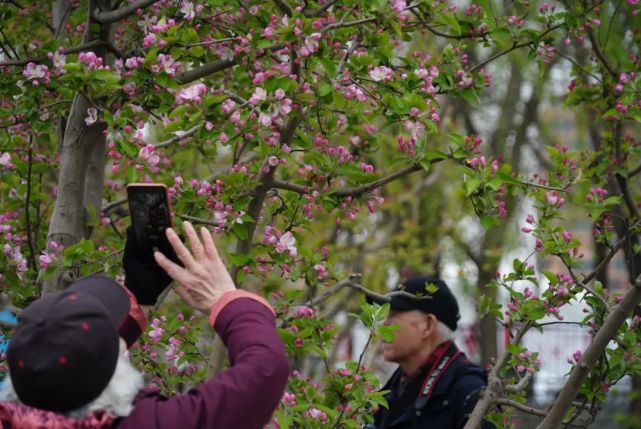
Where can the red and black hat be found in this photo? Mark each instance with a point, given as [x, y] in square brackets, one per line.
[64, 350]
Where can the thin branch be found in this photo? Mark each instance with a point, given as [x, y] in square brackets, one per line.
[522, 384]
[600, 55]
[319, 11]
[280, 184]
[73, 50]
[108, 208]
[284, 7]
[199, 221]
[111, 16]
[521, 407]
[635, 171]
[350, 283]
[514, 47]
[362, 189]
[211, 42]
[336, 25]
[183, 135]
[604, 262]
[214, 67]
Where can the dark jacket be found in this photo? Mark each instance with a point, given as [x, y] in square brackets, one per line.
[255, 381]
[452, 398]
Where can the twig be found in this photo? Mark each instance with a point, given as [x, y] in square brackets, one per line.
[597, 51]
[214, 67]
[73, 50]
[199, 221]
[319, 11]
[350, 283]
[190, 132]
[111, 16]
[362, 189]
[336, 25]
[521, 407]
[514, 47]
[518, 387]
[284, 7]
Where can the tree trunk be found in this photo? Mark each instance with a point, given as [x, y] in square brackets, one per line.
[69, 219]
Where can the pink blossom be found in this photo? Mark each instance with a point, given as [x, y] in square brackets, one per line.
[228, 105]
[399, 6]
[5, 160]
[321, 271]
[191, 94]
[287, 242]
[381, 73]
[567, 236]
[36, 73]
[168, 64]
[258, 96]
[187, 9]
[148, 154]
[554, 199]
[45, 260]
[289, 399]
[316, 414]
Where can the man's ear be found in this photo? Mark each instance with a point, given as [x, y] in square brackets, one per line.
[431, 324]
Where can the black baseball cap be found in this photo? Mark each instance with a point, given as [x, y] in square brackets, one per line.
[65, 348]
[441, 302]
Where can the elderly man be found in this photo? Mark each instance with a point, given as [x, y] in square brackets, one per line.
[435, 385]
[68, 366]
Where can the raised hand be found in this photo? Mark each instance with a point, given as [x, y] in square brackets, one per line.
[204, 278]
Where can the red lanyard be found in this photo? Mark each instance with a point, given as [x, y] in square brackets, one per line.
[440, 365]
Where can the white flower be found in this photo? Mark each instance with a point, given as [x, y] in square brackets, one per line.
[92, 116]
[5, 159]
[188, 10]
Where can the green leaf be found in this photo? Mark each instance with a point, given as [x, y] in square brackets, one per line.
[451, 21]
[240, 230]
[471, 185]
[106, 76]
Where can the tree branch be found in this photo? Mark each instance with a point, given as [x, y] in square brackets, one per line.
[280, 184]
[617, 316]
[341, 24]
[363, 189]
[521, 407]
[284, 7]
[319, 11]
[110, 16]
[522, 384]
[601, 56]
[73, 50]
[190, 132]
[214, 67]
[350, 283]
[495, 386]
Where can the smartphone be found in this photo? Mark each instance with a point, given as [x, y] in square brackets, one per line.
[150, 216]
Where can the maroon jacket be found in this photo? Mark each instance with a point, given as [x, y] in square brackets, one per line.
[242, 397]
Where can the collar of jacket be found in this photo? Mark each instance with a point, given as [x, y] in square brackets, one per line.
[461, 366]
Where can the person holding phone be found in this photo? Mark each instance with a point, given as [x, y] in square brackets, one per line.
[68, 365]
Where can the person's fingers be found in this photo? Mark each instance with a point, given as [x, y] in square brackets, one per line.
[174, 270]
[196, 246]
[179, 248]
[210, 246]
